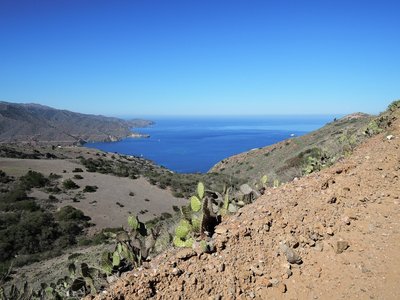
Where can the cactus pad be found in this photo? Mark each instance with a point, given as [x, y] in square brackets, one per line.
[200, 190]
[183, 229]
[264, 179]
[116, 259]
[133, 222]
[196, 223]
[195, 203]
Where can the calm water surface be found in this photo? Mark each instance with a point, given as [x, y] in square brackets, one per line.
[190, 145]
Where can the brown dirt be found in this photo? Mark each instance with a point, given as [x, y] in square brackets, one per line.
[101, 205]
[355, 201]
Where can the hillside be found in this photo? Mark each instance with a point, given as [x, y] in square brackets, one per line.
[96, 189]
[34, 122]
[331, 235]
[289, 159]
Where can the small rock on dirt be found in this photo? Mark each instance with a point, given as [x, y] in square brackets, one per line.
[185, 254]
[291, 255]
[340, 246]
[282, 287]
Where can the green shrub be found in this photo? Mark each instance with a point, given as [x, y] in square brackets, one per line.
[52, 198]
[77, 170]
[33, 179]
[14, 195]
[90, 189]
[77, 176]
[69, 213]
[4, 178]
[53, 176]
[394, 105]
[70, 185]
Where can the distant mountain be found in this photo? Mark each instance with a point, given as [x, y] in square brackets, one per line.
[35, 122]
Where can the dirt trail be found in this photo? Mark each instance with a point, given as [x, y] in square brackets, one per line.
[343, 222]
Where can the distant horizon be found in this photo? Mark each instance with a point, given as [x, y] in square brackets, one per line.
[161, 116]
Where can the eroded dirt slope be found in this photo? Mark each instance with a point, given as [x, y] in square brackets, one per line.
[343, 222]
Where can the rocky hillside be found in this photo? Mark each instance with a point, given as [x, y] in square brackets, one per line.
[33, 122]
[294, 157]
[333, 234]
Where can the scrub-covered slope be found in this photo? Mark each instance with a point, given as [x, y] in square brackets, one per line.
[289, 159]
[331, 235]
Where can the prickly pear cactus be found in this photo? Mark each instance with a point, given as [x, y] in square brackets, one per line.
[106, 263]
[264, 179]
[178, 242]
[133, 222]
[183, 229]
[276, 183]
[195, 203]
[196, 223]
[200, 190]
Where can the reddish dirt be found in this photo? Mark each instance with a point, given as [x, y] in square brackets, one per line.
[355, 201]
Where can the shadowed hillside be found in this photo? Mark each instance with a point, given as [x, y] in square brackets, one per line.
[34, 122]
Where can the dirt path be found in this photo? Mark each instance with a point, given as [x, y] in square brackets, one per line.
[343, 222]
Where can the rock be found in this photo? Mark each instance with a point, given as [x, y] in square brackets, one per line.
[329, 231]
[264, 282]
[221, 267]
[220, 230]
[346, 220]
[390, 137]
[282, 287]
[332, 200]
[319, 228]
[232, 208]
[291, 255]
[246, 189]
[111, 279]
[185, 254]
[319, 247]
[289, 273]
[274, 281]
[340, 246]
[176, 272]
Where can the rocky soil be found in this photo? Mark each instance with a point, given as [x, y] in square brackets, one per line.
[331, 235]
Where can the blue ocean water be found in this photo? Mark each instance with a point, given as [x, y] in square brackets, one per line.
[195, 144]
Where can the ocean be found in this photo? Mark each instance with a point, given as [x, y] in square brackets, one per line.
[195, 144]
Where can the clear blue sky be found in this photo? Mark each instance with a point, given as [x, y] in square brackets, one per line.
[201, 57]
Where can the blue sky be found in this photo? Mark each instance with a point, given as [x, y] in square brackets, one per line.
[201, 57]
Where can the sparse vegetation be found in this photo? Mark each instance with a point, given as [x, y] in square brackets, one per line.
[70, 185]
[33, 179]
[90, 189]
[31, 232]
[289, 159]
[180, 184]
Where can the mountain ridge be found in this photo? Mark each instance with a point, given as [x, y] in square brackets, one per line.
[31, 122]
